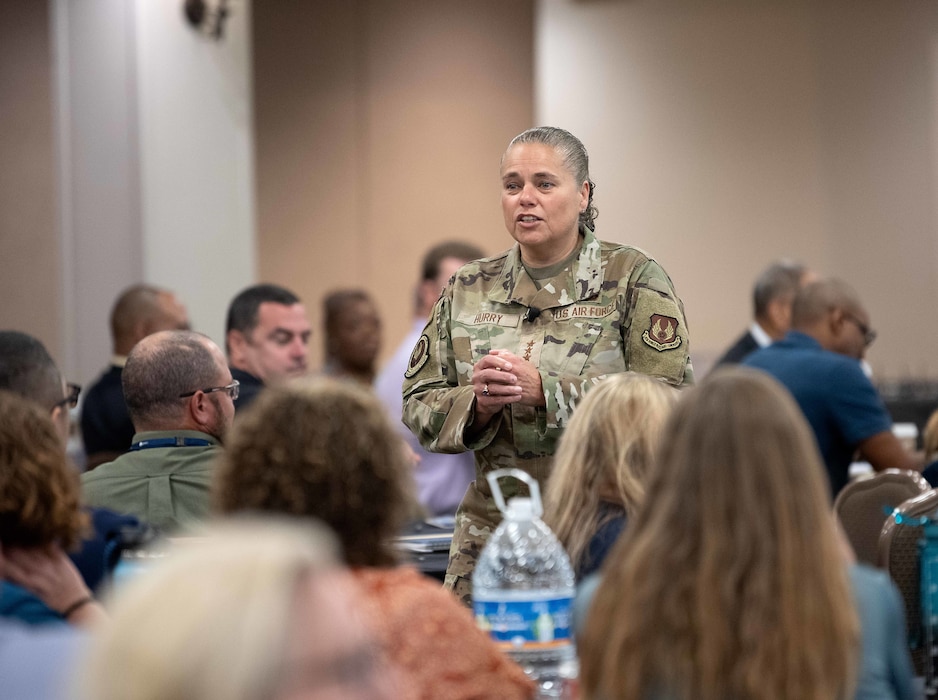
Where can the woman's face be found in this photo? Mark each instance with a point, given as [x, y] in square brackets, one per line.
[541, 203]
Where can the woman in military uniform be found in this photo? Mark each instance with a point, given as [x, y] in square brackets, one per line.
[517, 339]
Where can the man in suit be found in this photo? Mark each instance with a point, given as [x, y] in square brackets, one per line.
[772, 298]
[266, 337]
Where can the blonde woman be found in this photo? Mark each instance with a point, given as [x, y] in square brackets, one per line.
[256, 610]
[602, 463]
[730, 581]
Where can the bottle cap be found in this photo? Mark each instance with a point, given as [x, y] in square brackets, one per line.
[521, 509]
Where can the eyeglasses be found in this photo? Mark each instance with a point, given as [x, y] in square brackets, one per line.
[232, 390]
[71, 399]
[869, 335]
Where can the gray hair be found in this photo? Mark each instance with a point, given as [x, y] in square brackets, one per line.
[780, 279]
[573, 153]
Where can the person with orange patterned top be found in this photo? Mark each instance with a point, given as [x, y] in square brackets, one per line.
[326, 449]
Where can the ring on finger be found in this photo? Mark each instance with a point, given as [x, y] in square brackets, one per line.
[485, 390]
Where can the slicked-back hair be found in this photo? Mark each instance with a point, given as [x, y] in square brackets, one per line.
[27, 369]
[818, 298]
[779, 280]
[573, 153]
[170, 363]
[39, 490]
[433, 258]
[242, 312]
[320, 448]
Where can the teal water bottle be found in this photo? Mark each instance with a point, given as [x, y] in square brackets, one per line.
[928, 561]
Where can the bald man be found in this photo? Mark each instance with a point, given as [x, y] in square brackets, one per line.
[818, 361]
[106, 428]
[181, 397]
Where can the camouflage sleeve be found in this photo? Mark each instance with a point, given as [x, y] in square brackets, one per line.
[655, 335]
[654, 342]
[438, 398]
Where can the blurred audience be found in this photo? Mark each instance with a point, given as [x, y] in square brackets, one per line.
[266, 338]
[602, 464]
[257, 610]
[772, 297]
[441, 479]
[36, 661]
[40, 518]
[818, 361]
[731, 580]
[352, 335]
[325, 449]
[181, 398]
[930, 447]
[27, 370]
[106, 428]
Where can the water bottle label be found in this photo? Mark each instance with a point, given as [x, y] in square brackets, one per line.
[526, 625]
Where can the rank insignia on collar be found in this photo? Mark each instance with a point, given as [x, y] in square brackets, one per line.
[661, 333]
[419, 357]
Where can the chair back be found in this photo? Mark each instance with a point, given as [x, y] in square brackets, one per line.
[862, 507]
[899, 555]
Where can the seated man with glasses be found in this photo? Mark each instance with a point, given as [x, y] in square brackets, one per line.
[819, 362]
[180, 395]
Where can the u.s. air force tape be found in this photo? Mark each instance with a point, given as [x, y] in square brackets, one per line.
[419, 357]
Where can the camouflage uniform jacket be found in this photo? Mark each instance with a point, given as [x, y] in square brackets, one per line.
[611, 310]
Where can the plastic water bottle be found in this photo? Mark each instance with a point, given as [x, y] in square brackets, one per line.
[522, 589]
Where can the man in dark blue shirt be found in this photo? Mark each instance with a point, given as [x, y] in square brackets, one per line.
[818, 361]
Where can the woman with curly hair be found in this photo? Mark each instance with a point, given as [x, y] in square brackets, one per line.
[325, 449]
[602, 463]
[40, 518]
[731, 581]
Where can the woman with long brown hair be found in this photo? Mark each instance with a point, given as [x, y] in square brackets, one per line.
[601, 466]
[731, 582]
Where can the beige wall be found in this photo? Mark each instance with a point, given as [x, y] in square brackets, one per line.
[379, 126]
[30, 259]
[728, 133]
[722, 135]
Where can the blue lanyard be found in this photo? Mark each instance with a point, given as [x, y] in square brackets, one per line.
[170, 442]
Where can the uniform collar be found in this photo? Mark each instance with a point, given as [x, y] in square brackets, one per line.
[581, 280]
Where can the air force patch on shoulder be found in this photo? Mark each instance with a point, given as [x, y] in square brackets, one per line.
[661, 333]
[419, 357]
